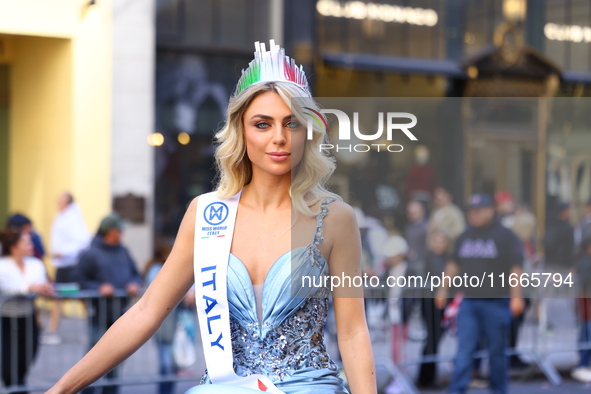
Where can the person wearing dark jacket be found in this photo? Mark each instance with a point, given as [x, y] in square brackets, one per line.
[435, 261]
[559, 241]
[108, 267]
[415, 233]
[485, 248]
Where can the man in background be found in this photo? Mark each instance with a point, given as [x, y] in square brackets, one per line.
[107, 267]
[69, 236]
[486, 247]
[415, 233]
[559, 241]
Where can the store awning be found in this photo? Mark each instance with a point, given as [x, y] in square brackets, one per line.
[366, 62]
[576, 76]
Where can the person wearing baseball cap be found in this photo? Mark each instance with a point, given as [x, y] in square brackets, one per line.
[107, 266]
[111, 222]
[486, 247]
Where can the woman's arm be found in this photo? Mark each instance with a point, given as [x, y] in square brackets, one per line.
[142, 320]
[352, 331]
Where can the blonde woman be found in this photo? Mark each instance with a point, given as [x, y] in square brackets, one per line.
[284, 220]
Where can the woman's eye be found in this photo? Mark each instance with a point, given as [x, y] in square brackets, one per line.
[293, 124]
[262, 125]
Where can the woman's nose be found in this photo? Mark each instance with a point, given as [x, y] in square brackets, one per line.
[279, 135]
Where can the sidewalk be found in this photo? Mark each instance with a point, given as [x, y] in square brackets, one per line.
[54, 360]
[558, 342]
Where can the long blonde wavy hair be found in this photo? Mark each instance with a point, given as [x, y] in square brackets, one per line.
[235, 168]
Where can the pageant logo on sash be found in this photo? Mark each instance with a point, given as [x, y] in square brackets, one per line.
[214, 227]
[215, 214]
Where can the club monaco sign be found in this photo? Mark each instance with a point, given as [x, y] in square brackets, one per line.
[573, 33]
[379, 12]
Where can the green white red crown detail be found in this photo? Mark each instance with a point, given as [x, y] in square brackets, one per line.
[271, 65]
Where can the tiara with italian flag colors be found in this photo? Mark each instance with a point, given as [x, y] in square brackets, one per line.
[271, 65]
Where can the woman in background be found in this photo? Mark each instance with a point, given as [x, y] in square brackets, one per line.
[21, 274]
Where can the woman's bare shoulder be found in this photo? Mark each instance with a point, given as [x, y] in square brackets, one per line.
[191, 210]
[340, 219]
[192, 207]
[340, 210]
[187, 227]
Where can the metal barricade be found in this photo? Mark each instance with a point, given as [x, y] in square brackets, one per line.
[548, 343]
[548, 340]
[27, 365]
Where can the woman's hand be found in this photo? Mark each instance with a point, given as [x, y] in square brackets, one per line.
[43, 289]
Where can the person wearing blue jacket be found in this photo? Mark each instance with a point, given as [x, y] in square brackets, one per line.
[107, 266]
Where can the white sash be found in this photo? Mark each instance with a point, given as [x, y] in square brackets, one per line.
[214, 229]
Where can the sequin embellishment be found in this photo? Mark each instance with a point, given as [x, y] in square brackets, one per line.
[295, 344]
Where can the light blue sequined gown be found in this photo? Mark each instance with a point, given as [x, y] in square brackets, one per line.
[289, 346]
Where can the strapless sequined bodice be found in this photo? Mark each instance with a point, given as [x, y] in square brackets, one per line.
[291, 336]
[288, 347]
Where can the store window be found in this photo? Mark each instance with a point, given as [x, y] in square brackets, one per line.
[385, 27]
[192, 94]
[169, 19]
[201, 48]
[481, 19]
[569, 154]
[212, 24]
[567, 33]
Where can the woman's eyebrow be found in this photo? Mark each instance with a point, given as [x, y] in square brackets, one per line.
[262, 116]
[288, 117]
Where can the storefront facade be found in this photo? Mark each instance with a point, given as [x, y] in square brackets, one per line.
[201, 50]
[386, 48]
[474, 48]
[76, 107]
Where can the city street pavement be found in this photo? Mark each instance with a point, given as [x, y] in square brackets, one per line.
[54, 360]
